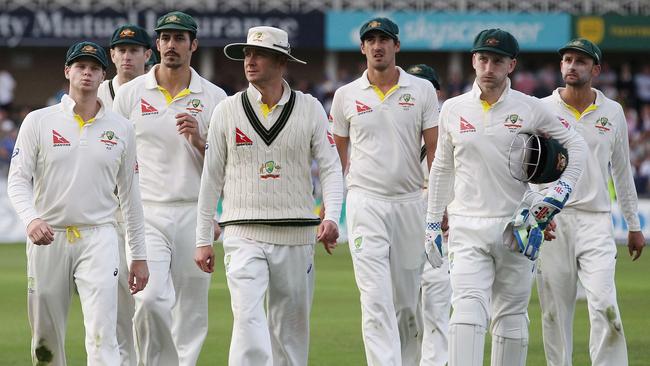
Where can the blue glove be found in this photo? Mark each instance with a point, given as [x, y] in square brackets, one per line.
[433, 244]
[545, 209]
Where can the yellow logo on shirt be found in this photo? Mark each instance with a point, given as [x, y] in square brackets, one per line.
[194, 106]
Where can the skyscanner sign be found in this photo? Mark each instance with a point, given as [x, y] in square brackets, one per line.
[422, 31]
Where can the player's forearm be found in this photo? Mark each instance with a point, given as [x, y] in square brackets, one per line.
[332, 183]
[212, 181]
[342, 147]
[21, 197]
[131, 205]
[207, 207]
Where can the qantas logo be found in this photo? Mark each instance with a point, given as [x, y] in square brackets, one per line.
[564, 122]
[466, 126]
[362, 108]
[147, 108]
[58, 140]
[331, 138]
[241, 139]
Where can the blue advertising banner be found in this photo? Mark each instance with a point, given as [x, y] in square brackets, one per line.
[423, 31]
[61, 28]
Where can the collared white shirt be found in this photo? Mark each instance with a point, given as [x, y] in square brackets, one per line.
[104, 92]
[472, 153]
[604, 128]
[65, 172]
[385, 135]
[170, 167]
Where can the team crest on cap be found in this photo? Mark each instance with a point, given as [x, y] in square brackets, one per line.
[577, 43]
[258, 37]
[172, 19]
[270, 170]
[491, 42]
[513, 122]
[127, 33]
[415, 69]
[89, 49]
[374, 24]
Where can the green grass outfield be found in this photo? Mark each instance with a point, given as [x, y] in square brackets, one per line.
[336, 335]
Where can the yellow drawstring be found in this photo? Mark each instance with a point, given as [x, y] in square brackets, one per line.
[72, 234]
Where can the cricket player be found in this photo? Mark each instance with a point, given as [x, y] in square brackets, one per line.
[490, 281]
[584, 247]
[67, 162]
[435, 291]
[382, 117]
[262, 142]
[130, 48]
[170, 107]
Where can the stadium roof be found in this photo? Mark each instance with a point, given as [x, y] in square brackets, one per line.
[577, 7]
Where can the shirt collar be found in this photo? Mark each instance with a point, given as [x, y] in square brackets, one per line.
[403, 80]
[67, 104]
[600, 97]
[255, 94]
[152, 83]
[476, 91]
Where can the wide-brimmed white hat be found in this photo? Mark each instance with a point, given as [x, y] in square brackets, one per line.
[269, 38]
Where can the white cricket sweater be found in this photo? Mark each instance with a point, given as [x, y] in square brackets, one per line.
[263, 167]
[604, 128]
[472, 153]
[75, 171]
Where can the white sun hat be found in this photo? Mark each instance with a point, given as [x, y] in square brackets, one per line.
[269, 38]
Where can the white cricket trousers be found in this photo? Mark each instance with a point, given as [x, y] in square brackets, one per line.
[90, 262]
[280, 277]
[435, 307]
[386, 240]
[584, 249]
[171, 313]
[489, 282]
[125, 304]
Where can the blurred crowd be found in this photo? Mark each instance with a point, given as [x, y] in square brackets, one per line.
[628, 85]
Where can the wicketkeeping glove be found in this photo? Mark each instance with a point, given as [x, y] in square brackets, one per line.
[522, 233]
[543, 210]
[433, 244]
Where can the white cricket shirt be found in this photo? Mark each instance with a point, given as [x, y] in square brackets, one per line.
[604, 129]
[75, 168]
[104, 92]
[170, 167]
[472, 153]
[385, 135]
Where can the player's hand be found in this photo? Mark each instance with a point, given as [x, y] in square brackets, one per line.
[444, 225]
[635, 244]
[328, 232]
[544, 209]
[433, 244]
[188, 126]
[549, 233]
[217, 231]
[40, 232]
[138, 276]
[204, 258]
